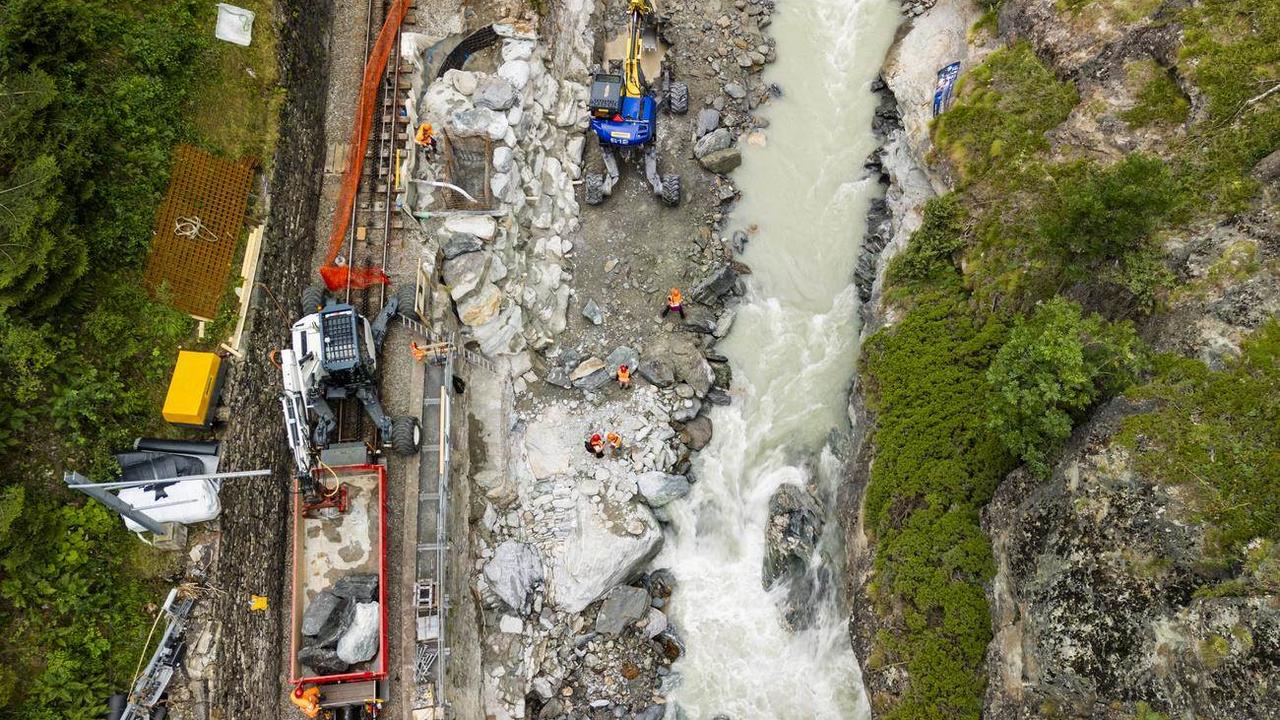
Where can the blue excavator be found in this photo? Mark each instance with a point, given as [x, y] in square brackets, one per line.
[624, 110]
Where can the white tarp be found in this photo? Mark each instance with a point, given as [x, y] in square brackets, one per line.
[235, 24]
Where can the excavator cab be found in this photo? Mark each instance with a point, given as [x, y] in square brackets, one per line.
[606, 95]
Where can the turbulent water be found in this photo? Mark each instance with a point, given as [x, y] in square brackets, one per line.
[793, 349]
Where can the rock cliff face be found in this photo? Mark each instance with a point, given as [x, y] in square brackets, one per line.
[1098, 604]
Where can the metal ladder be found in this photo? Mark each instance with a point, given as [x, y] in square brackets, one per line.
[472, 357]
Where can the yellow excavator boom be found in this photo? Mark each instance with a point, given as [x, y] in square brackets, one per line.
[632, 87]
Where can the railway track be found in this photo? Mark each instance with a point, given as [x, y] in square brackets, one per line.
[374, 220]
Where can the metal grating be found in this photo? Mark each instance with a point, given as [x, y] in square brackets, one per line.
[466, 164]
[198, 229]
[340, 346]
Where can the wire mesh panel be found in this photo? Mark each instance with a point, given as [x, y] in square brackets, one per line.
[197, 230]
[466, 164]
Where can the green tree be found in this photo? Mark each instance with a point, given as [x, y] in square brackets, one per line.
[1053, 367]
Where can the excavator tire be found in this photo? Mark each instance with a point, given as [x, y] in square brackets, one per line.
[407, 294]
[313, 298]
[406, 435]
[678, 98]
[671, 190]
[593, 189]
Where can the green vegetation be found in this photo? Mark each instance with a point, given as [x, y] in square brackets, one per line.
[94, 94]
[1231, 52]
[934, 244]
[1003, 109]
[1056, 365]
[1217, 433]
[936, 466]
[1143, 711]
[1160, 100]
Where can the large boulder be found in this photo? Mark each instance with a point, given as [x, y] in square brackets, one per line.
[602, 553]
[460, 244]
[622, 355]
[360, 587]
[622, 606]
[321, 608]
[657, 371]
[481, 306]
[482, 226]
[690, 366]
[513, 572]
[658, 488]
[722, 161]
[494, 93]
[698, 432]
[714, 141]
[360, 642]
[322, 660]
[718, 282]
[463, 273]
[791, 539]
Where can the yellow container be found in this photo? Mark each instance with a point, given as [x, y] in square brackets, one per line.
[193, 390]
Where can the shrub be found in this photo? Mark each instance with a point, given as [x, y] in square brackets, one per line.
[935, 466]
[1160, 100]
[934, 243]
[1053, 367]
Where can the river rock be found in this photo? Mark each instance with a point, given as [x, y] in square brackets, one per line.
[622, 606]
[513, 572]
[722, 161]
[698, 432]
[622, 355]
[656, 623]
[687, 411]
[494, 93]
[321, 608]
[515, 72]
[690, 366]
[592, 312]
[360, 642]
[708, 120]
[591, 374]
[718, 282]
[735, 90]
[461, 244]
[712, 142]
[360, 587]
[322, 661]
[657, 371]
[658, 488]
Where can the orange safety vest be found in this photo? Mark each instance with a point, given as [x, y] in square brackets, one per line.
[614, 440]
[674, 298]
[308, 701]
[596, 441]
[624, 375]
[419, 353]
[425, 134]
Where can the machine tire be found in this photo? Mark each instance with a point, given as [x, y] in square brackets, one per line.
[406, 435]
[671, 190]
[678, 98]
[593, 189]
[408, 295]
[313, 298]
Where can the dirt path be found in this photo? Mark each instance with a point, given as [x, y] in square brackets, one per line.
[253, 546]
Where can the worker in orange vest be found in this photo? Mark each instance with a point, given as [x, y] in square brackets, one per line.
[624, 377]
[308, 701]
[426, 137]
[419, 353]
[615, 443]
[675, 303]
[595, 445]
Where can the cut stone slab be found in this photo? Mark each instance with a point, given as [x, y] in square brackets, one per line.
[622, 606]
[482, 226]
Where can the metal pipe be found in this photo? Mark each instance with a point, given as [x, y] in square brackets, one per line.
[76, 481]
[122, 484]
[178, 447]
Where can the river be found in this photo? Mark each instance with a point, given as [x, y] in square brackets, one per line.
[792, 349]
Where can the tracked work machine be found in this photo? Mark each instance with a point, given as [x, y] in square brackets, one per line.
[334, 356]
[624, 108]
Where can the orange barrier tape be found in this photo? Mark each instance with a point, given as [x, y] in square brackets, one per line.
[336, 277]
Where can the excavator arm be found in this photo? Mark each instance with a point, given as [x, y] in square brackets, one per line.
[633, 78]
